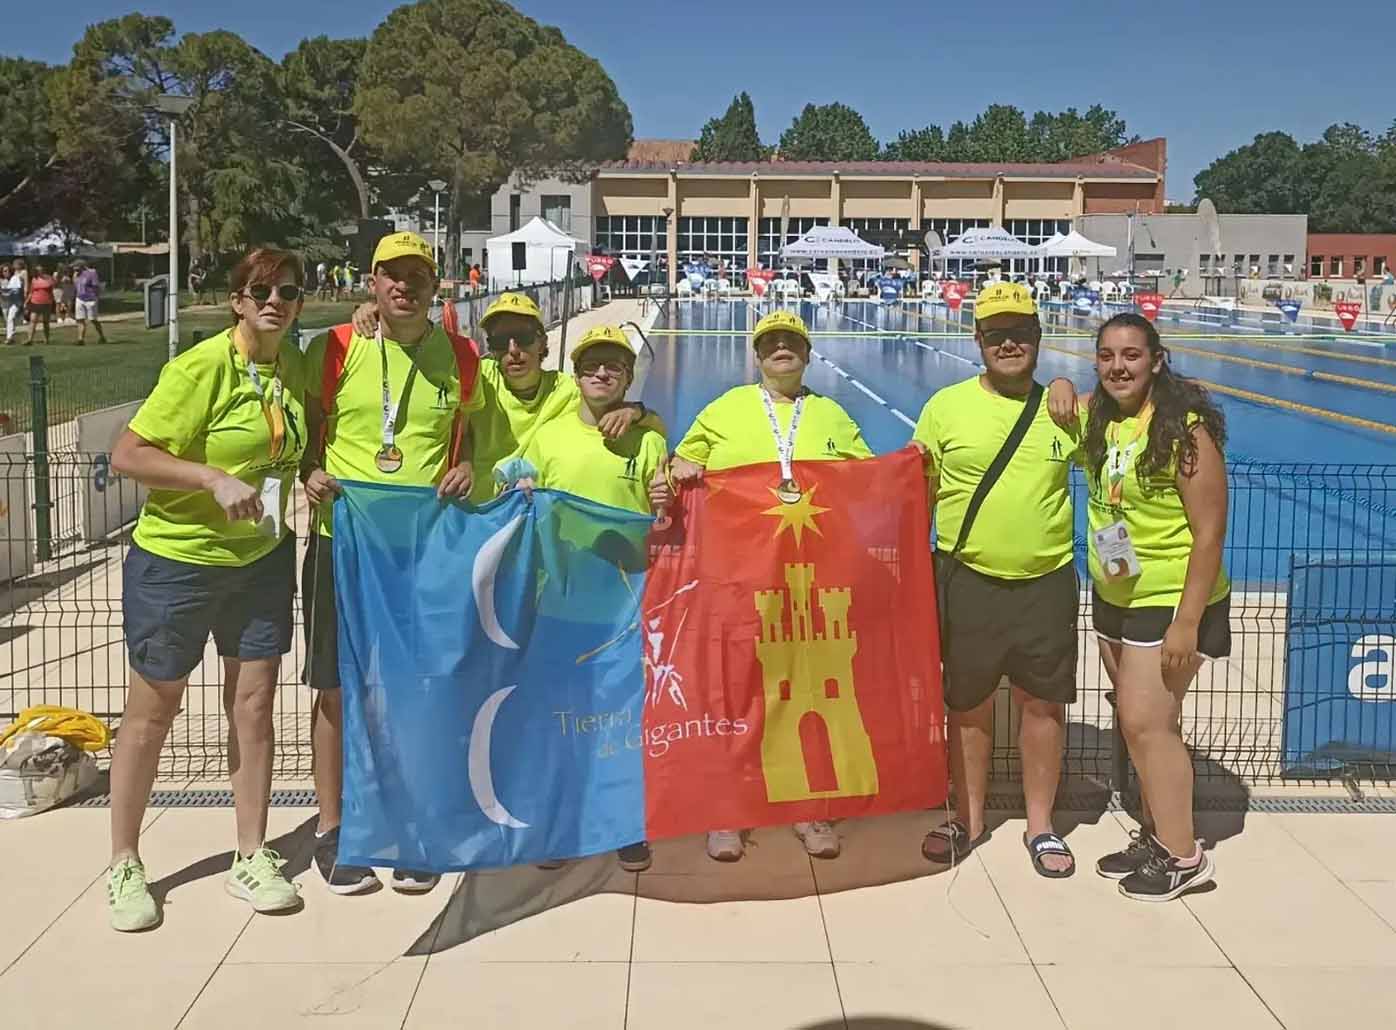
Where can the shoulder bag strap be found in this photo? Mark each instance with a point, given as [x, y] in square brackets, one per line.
[1000, 462]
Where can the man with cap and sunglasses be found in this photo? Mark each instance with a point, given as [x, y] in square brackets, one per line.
[571, 453]
[998, 462]
[389, 405]
[517, 395]
[776, 419]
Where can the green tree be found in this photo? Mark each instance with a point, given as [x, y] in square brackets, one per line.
[475, 92]
[926, 144]
[733, 137]
[828, 132]
[317, 82]
[1070, 134]
[1002, 133]
[28, 147]
[1262, 177]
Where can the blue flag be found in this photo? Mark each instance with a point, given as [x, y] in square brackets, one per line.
[491, 666]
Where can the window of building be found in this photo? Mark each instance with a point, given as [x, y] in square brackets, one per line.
[633, 236]
[1204, 264]
[949, 229]
[558, 210]
[769, 242]
[515, 210]
[1036, 231]
[1287, 266]
[1378, 266]
[1359, 266]
[1335, 267]
[1253, 265]
[1272, 264]
[1316, 266]
[722, 240]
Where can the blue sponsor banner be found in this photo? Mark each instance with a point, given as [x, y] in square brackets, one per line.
[1340, 669]
[491, 666]
[1289, 307]
[1085, 300]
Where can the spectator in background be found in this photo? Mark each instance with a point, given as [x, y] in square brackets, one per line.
[39, 300]
[64, 297]
[198, 273]
[474, 278]
[321, 270]
[88, 289]
[13, 281]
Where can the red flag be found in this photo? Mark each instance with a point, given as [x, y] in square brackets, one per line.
[791, 651]
[1347, 311]
[598, 265]
[952, 293]
[1149, 304]
[760, 279]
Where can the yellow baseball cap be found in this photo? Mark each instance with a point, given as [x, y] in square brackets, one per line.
[598, 335]
[403, 244]
[1003, 299]
[781, 319]
[513, 304]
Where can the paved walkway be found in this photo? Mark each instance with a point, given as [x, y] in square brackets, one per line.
[1299, 933]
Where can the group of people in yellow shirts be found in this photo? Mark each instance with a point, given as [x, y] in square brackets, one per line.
[237, 419]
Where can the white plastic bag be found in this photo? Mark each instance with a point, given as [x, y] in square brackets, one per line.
[38, 771]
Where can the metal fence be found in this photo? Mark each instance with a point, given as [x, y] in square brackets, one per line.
[61, 639]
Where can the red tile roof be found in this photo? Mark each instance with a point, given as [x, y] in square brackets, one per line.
[660, 151]
[1086, 169]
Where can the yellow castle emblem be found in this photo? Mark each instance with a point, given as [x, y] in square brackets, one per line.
[814, 743]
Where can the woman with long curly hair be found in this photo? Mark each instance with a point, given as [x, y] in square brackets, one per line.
[1161, 603]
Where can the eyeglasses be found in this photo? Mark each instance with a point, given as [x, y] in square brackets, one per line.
[500, 344]
[588, 369]
[261, 292]
[1023, 336]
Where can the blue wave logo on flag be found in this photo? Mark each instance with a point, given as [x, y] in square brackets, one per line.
[493, 687]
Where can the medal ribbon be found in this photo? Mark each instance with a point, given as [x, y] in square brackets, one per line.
[390, 406]
[785, 445]
[1115, 464]
[273, 409]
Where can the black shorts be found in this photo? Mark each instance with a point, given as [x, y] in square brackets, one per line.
[1145, 627]
[321, 616]
[40, 310]
[169, 608]
[1024, 629]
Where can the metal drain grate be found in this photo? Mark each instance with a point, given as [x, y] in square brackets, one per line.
[208, 799]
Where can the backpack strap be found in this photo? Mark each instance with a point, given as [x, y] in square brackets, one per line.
[336, 353]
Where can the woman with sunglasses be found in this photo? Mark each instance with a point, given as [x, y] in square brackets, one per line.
[218, 443]
[518, 394]
[1161, 604]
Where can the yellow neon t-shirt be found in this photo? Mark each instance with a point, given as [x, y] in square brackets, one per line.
[501, 426]
[1024, 528]
[204, 409]
[570, 455]
[427, 400]
[733, 430]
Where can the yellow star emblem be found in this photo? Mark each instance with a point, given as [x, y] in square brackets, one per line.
[797, 517]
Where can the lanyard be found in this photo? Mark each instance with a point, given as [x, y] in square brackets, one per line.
[785, 445]
[273, 409]
[1121, 455]
[390, 406]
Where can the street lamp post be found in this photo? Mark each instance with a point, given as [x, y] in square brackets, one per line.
[654, 251]
[172, 107]
[436, 186]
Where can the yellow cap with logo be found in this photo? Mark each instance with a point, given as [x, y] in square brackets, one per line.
[780, 319]
[513, 304]
[598, 335]
[403, 244]
[1003, 299]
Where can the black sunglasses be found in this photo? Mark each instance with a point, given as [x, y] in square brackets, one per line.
[261, 293]
[1024, 336]
[500, 344]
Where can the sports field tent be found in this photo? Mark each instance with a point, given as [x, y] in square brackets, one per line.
[1074, 245]
[832, 241]
[984, 245]
[549, 255]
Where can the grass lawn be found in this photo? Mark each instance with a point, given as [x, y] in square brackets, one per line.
[88, 378]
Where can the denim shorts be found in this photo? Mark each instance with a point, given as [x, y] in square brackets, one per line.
[170, 607]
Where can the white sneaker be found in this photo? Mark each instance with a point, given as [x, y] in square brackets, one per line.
[819, 838]
[725, 845]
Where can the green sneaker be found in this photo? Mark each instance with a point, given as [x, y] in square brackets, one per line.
[128, 898]
[257, 880]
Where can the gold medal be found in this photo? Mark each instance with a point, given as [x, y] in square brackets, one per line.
[788, 491]
[388, 459]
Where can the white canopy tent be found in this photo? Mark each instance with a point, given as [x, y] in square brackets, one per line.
[56, 242]
[549, 255]
[985, 245]
[832, 241]
[1074, 245]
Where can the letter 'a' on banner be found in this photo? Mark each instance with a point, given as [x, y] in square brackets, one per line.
[792, 658]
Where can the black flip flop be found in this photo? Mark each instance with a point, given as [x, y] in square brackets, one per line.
[958, 844]
[1049, 844]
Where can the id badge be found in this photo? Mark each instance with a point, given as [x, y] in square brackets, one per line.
[271, 507]
[1115, 551]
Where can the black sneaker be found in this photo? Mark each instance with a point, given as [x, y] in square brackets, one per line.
[341, 879]
[1119, 864]
[414, 881]
[1163, 878]
[634, 858]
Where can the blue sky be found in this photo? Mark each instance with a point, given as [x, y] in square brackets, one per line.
[1208, 76]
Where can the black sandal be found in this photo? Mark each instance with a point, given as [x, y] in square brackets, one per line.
[1049, 844]
[950, 843]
